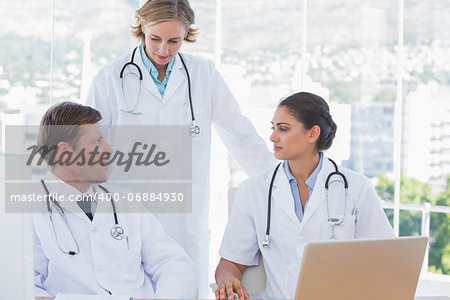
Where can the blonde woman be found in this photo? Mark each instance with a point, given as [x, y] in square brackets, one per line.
[154, 84]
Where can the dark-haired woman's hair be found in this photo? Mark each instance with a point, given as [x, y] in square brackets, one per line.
[310, 110]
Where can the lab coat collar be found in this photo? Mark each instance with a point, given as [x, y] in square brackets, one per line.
[151, 67]
[175, 80]
[318, 194]
[281, 194]
[177, 77]
[147, 81]
[57, 186]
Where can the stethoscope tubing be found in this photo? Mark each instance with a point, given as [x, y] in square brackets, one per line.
[61, 212]
[50, 198]
[194, 129]
[116, 221]
[189, 86]
[266, 241]
[132, 64]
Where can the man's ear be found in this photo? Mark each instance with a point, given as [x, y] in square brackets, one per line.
[63, 147]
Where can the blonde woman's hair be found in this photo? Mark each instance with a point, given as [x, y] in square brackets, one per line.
[157, 11]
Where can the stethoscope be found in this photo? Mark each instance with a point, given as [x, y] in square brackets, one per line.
[116, 231]
[194, 129]
[333, 221]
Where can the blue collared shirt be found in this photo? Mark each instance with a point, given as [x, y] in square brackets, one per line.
[161, 85]
[310, 182]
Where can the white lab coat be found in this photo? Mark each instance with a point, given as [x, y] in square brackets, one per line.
[246, 226]
[213, 104]
[149, 264]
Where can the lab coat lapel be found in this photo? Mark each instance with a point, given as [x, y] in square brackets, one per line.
[147, 81]
[103, 201]
[57, 186]
[282, 195]
[176, 78]
[104, 207]
[318, 196]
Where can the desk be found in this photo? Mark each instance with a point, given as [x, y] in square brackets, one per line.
[50, 298]
[417, 298]
[433, 298]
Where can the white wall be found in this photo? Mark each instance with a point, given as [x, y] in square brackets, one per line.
[16, 251]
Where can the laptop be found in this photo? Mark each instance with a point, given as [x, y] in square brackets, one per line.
[361, 269]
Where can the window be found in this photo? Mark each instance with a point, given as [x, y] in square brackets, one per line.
[369, 59]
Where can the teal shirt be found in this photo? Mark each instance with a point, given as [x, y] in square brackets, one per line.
[161, 85]
[310, 183]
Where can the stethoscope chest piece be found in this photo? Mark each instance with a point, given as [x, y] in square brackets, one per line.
[194, 130]
[333, 223]
[117, 232]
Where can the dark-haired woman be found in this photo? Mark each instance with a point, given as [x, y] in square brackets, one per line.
[300, 208]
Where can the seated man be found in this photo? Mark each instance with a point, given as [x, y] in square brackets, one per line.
[90, 246]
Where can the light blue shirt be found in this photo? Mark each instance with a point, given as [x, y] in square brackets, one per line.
[310, 182]
[161, 85]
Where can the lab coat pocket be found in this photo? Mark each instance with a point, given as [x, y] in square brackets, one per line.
[131, 117]
[131, 256]
[346, 230]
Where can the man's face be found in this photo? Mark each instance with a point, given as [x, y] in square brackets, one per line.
[87, 169]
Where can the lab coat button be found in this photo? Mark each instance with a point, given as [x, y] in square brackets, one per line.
[93, 229]
[100, 269]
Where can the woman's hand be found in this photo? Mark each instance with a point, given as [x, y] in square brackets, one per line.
[230, 284]
[228, 278]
